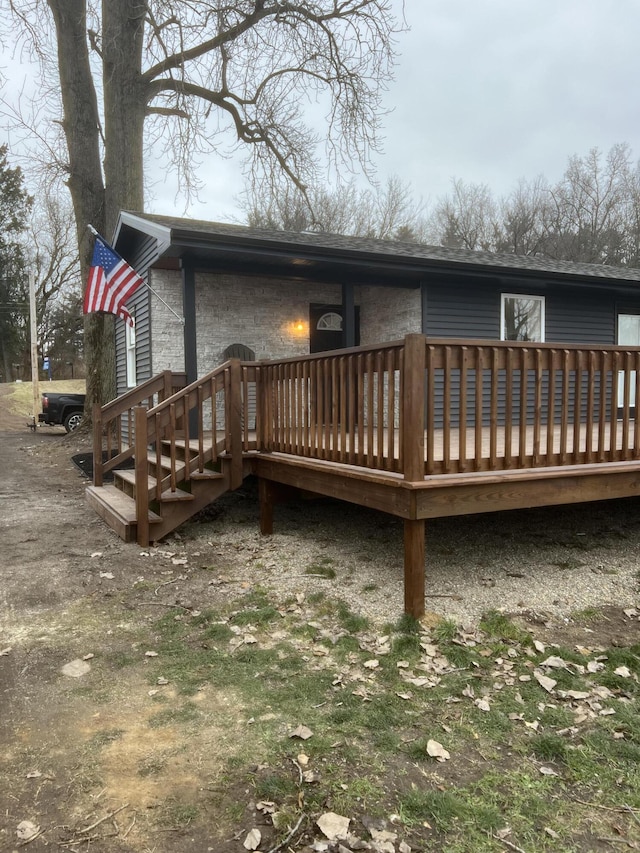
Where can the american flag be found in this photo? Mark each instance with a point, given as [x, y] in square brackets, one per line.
[111, 282]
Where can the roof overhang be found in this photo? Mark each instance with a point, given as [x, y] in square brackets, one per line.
[253, 252]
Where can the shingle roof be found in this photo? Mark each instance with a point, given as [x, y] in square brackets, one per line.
[388, 250]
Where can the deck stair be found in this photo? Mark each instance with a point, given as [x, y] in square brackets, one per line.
[172, 477]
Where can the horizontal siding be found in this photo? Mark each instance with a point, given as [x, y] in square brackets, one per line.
[139, 305]
[458, 310]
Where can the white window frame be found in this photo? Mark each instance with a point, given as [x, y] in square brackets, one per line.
[130, 347]
[529, 297]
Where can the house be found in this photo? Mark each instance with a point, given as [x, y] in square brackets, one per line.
[417, 380]
[282, 294]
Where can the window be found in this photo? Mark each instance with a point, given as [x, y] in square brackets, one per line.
[331, 322]
[521, 317]
[130, 338]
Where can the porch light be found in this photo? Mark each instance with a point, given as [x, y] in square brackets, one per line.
[299, 328]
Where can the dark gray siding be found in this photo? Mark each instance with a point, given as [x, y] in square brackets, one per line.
[139, 302]
[473, 311]
[461, 310]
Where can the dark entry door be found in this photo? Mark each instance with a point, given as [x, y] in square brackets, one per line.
[326, 327]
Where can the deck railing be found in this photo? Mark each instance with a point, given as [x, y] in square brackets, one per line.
[409, 408]
[342, 406]
[427, 407]
[505, 405]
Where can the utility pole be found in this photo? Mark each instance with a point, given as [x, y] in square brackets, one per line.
[33, 324]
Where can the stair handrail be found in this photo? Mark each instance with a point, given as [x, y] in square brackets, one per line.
[106, 420]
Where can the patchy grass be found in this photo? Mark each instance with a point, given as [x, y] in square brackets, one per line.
[543, 740]
[548, 765]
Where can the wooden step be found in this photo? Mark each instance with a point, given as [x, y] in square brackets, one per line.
[165, 463]
[118, 510]
[179, 495]
[128, 479]
[126, 482]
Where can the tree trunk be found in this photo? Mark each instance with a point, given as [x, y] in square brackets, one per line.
[82, 131]
[124, 106]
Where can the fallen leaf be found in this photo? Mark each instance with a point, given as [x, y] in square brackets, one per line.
[482, 704]
[539, 646]
[333, 826]
[35, 774]
[623, 672]
[302, 759]
[573, 694]
[108, 575]
[371, 664]
[266, 806]
[436, 750]
[151, 654]
[554, 662]
[301, 732]
[90, 656]
[96, 554]
[551, 833]
[548, 771]
[544, 681]
[5, 651]
[26, 830]
[253, 839]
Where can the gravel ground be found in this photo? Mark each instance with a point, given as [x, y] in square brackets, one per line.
[553, 561]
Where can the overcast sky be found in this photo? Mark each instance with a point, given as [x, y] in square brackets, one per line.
[490, 91]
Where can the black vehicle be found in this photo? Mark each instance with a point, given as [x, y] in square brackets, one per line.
[64, 409]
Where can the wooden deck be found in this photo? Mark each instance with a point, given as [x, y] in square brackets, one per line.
[416, 428]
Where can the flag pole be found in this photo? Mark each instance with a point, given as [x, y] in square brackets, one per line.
[146, 284]
[33, 325]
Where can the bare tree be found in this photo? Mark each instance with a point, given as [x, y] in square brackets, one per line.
[522, 217]
[386, 213]
[467, 219]
[587, 213]
[195, 72]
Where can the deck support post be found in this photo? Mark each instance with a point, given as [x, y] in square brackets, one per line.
[414, 554]
[98, 472]
[266, 496]
[142, 476]
[234, 427]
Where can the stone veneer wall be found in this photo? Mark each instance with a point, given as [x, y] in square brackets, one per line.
[259, 313]
[388, 313]
[167, 344]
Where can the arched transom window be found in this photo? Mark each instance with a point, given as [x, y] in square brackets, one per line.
[331, 321]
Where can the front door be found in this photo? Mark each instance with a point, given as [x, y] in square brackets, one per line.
[628, 336]
[326, 327]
